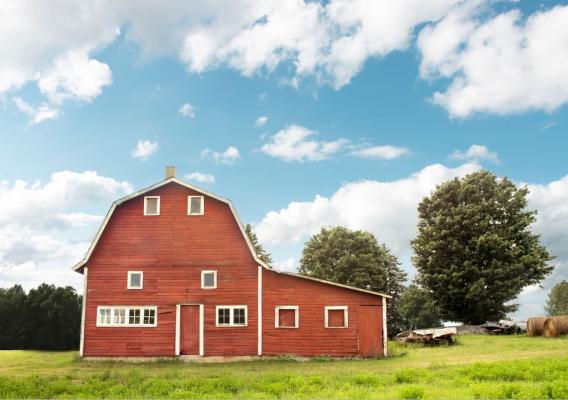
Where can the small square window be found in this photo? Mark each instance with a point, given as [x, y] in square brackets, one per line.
[336, 317]
[152, 205]
[195, 205]
[223, 316]
[239, 316]
[105, 316]
[134, 316]
[149, 316]
[135, 279]
[287, 317]
[208, 279]
[119, 316]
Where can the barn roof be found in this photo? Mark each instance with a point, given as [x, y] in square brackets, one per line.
[79, 266]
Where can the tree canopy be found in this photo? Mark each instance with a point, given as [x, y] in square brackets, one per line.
[262, 254]
[557, 303]
[418, 310]
[355, 258]
[475, 251]
[46, 318]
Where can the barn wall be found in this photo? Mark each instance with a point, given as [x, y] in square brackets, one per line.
[171, 249]
[311, 338]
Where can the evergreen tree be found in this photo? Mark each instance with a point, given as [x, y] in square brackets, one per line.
[262, 254]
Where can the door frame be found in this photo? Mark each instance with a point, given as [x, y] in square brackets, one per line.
[178, 327]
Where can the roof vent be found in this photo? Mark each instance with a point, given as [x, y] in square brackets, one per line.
[170, 172]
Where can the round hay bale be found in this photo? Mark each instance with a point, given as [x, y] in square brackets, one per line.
[556, 326]
[535, 326]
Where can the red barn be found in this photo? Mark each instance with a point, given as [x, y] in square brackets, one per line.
[171, 272]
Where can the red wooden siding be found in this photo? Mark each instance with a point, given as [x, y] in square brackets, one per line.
[171, 249]
[312, 338]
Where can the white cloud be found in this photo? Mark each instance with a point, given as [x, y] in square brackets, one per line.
[288, 265]
[503, 65]
[200, 177]
[187, 110]
[230, 156]
[37, 114]
[381, 152]
[261, 121]
[388, 209]
[44, 228]
[294, 143]
[476, 153]
[144, 149]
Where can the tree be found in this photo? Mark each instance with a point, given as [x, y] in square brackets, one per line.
[474, 250]
[355, 258]
[418, 310]
[47, 318]
[262, 254]
[557, 303]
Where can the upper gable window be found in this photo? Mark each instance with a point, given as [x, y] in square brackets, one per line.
[195, 205]
[135, 279]
[152, 205]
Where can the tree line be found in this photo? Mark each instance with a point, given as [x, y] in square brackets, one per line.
[45, 318]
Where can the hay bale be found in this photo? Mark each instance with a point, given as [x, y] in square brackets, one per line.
[556, 326]
[535, 326]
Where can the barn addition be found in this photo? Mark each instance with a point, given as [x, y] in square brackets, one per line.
[171, 273]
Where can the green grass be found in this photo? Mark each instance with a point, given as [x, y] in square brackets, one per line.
[478, 367]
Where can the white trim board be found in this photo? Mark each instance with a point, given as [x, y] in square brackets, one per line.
[385, 333]
[83, 310]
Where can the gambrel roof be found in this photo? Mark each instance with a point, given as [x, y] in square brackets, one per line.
[79, 266]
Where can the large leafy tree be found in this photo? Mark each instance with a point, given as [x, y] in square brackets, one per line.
[418, 309]
[475, 251]
[355, 258]
[262, 254]
[557, 303]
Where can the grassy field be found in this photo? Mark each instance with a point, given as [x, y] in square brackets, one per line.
[478, 367]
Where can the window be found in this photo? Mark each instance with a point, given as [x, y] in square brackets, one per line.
[127, 316]
[208, 279]
[336, 317]
[152, 205]
[195, 205]
[231, 316]
[287, 317]
[134, 316]
[135, 279]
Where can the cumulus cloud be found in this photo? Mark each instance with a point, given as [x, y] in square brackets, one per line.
[44, 228]
[503, 65]
[200, 177]
[381, 152]
[38, 114]
[388, 209]
[499, 64]
[295, 143]
[261, 121]
[476, 153]
[187, 110]
[230, 156]
[144, 149]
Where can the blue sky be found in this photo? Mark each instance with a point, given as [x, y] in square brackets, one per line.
[367, 122]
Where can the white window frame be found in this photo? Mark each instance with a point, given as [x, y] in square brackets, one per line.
[345, 316]
[129, 286]
[231, 316]
[146, 207]
[210, 271]
[277, 317]
[127, 324]
[202, 212]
